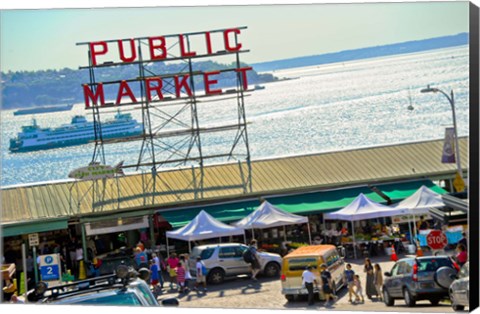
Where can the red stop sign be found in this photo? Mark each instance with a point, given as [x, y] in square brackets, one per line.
[436, 240]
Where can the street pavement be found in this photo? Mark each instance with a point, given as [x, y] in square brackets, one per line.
[244, 293]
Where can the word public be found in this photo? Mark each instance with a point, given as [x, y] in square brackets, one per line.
[126, 53]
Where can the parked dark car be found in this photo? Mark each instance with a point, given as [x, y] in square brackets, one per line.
[126, 287]
[460, 289]
[421, 278]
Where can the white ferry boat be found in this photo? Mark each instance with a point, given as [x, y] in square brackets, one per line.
[79, 132]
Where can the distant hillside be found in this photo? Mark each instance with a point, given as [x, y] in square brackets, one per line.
[55, 87]
[364, 53]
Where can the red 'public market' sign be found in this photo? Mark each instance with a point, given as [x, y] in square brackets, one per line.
[437, 240]
[129, 51]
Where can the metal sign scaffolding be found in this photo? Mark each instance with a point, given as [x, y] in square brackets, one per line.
[180, 126]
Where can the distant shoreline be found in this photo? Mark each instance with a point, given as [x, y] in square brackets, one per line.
[365, 53]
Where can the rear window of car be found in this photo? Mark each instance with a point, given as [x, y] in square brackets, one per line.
[128, 299]
[426, 265]
[301, 263]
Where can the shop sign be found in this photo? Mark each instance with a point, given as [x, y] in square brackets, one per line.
[409, 218]
[96, 171]
[33, 239]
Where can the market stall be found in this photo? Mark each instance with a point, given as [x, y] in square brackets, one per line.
[419, 203]
[362, 208]
[202, 227]
[269, 216]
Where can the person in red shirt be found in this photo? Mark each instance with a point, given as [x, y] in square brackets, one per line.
[462, 256]
[172, 263]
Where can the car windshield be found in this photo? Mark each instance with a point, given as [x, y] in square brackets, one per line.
[464, 271]
[128, 299]
[425, 265]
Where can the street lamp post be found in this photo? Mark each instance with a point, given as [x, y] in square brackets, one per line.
[452, 104]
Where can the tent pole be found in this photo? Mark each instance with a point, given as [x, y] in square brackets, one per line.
[354, 242]
[168, 251]
[309, 234]
[244, 237]
[253, 234]
[410, 230]
[414, 226]
[189, 247]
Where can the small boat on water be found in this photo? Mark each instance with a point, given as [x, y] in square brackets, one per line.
[78, 132]
[48, 109]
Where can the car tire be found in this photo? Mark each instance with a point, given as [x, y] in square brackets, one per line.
[289, 297]
[434, 302]
[216, 276]
[457, 307]
[407, 296]
[389, 301]
[272, 269]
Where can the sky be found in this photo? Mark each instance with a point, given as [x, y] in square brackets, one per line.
[40, 39]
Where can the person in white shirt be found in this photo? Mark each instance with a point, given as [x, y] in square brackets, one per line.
[200, 275]
[308, 280]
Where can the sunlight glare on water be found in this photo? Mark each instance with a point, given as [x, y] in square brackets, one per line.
[322, 108]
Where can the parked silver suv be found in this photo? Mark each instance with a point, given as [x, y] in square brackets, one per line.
[421, 278]
[226, 260]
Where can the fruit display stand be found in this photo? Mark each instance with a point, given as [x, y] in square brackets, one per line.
[8, 276]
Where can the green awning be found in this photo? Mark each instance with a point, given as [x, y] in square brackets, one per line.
[302, 204]
[226, 213]
[11, 230]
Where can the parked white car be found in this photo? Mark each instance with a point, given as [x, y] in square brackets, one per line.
[226, 260]
[459, 289]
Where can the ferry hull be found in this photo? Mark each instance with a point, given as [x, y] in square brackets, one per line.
[73, 142]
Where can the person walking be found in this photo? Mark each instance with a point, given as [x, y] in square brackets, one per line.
[370, 284]
[201, 272]
[327, 285]
[378, 280]
[160, 268]
[172, 263]
[308, 280]
[358, 289]
[181, 274]
[349, 278]
[462, 256]
[188, 276]
[255, 263]
[154, 277]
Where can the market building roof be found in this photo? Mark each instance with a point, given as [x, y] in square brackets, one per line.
[132, 194]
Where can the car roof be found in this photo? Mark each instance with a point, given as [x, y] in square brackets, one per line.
[311, 250]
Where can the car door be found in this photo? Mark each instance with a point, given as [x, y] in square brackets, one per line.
[231, 260]
[461, 293]
[396, 281]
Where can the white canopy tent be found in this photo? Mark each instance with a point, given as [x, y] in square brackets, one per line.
[420, 202]
[203, 226]
[362, 208]
[269, 216]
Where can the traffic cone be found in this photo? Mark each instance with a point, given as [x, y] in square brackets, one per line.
[419, 251]
[394, 256]
[81, 272]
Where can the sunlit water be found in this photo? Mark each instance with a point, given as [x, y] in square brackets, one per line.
[326, 108]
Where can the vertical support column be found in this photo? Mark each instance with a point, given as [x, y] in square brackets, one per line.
[84, 243]
[152, 231]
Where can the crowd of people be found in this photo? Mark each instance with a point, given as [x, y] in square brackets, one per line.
[373, 286]
[176, 269]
